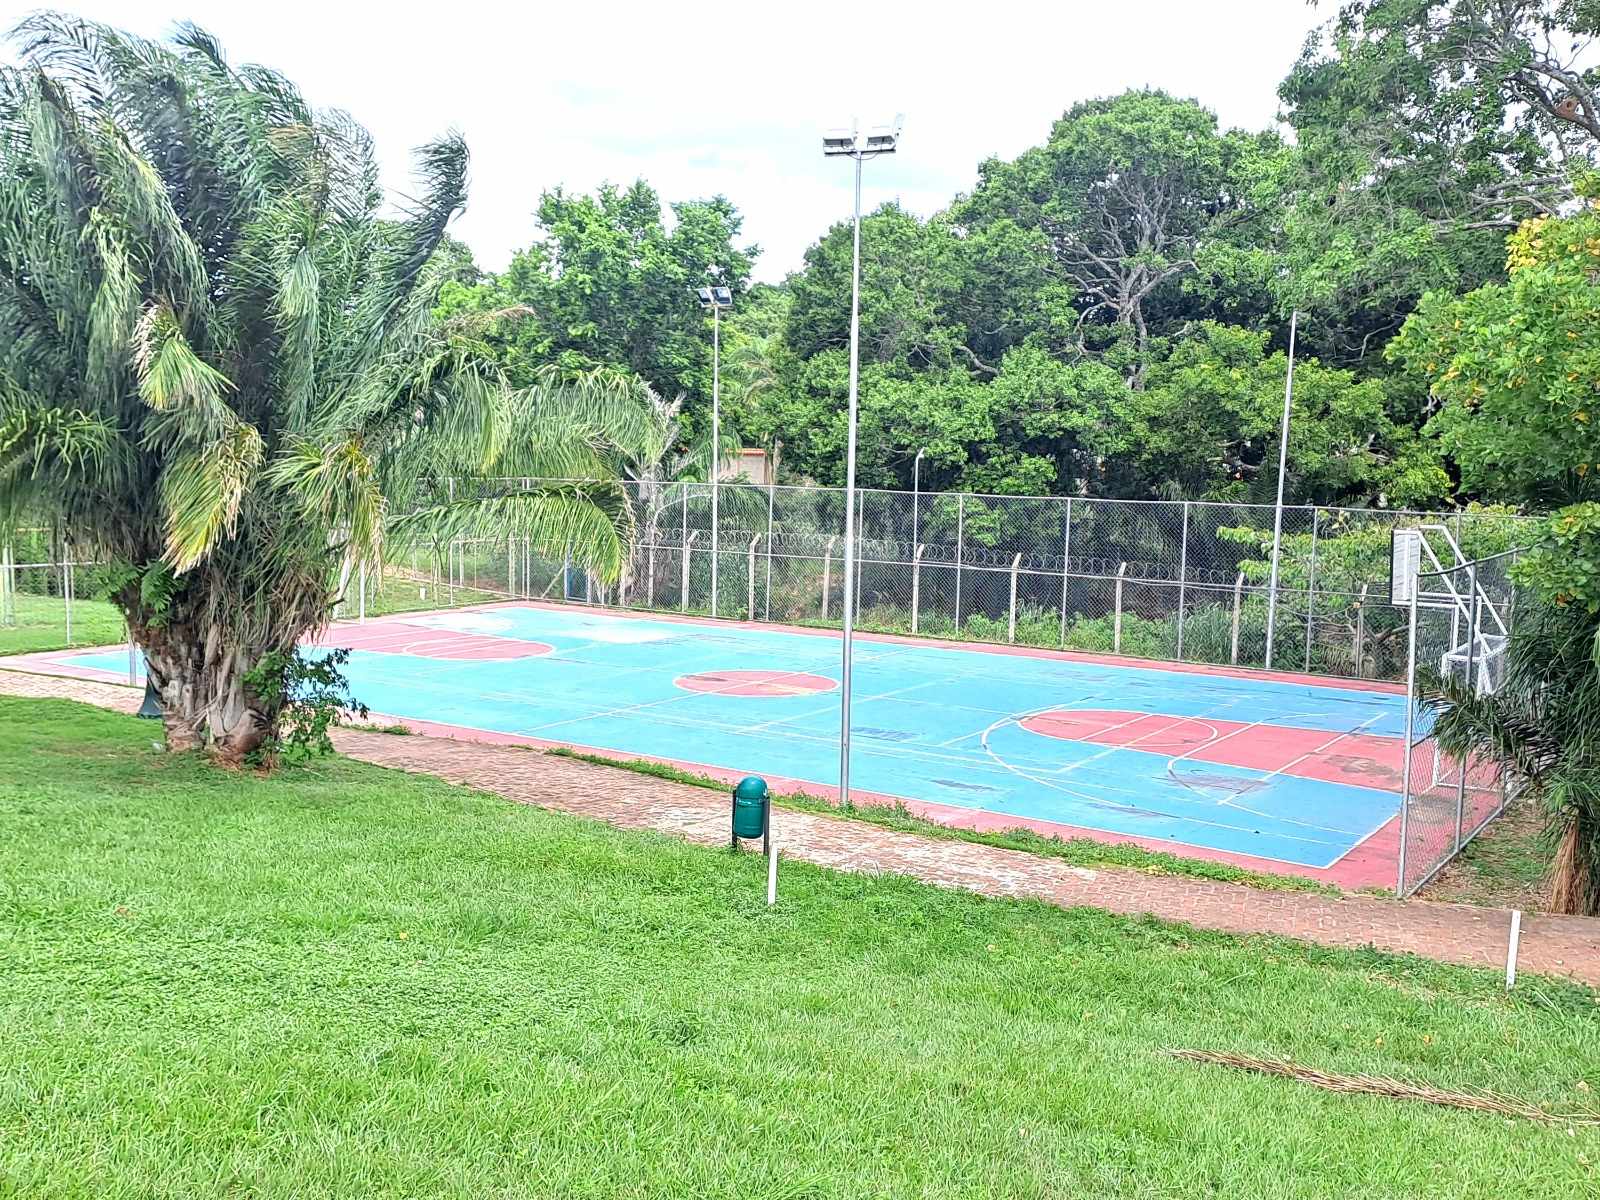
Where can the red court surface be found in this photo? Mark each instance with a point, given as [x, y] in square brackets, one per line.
[396, 637]
[1350, 758]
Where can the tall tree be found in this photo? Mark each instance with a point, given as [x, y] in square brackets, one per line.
[1427, 130]
[1133, 194]
[219, 366]
[1515, 368]
[608, 283]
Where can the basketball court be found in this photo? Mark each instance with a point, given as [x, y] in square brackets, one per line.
[1273, 771]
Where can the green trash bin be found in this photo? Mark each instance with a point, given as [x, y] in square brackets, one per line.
[752, 809]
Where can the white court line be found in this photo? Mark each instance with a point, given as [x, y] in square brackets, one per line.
[888, 750]
[624, 709]
[1232, 802]
[1148, 812]
[1335, 740]
[822, 712]
[1078, 764]
[1213, 741]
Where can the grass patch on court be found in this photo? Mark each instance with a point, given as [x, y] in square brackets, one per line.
[41, 624]
[396, 594]
[1081, 852]
[345, 981]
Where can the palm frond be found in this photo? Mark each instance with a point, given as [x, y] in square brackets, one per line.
[173, 380]
[202, 491]
[589, 522]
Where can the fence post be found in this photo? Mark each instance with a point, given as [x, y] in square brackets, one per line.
[916, 585]
[511, 566]
[1011, 630]
[649, 569]
[8, 608]
[827, 573]
[361, 598]
[766, 613]
[66, 587]
[750, 608]
[450, 567]
[1405, 762]
[683, 571]
[961, 533]
[861, 525]
[1116, 628]
[1183, 576]
[1361, 632]
[1472, 647]
[1311, 585]
[683, 540]
[1238, 598]
[1066, 567]
[688, 558]
[133, 676]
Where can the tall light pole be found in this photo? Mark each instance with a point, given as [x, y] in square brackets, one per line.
[852, 143]
[1277, 510]
[716, 298]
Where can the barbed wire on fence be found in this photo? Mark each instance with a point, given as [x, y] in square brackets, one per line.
[1182, 580]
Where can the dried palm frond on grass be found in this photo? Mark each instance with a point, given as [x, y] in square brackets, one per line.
[1379, 1085]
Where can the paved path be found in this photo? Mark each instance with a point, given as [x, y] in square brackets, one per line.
[1455, 933]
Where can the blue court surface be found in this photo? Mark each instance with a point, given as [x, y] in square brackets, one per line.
[1274, 768]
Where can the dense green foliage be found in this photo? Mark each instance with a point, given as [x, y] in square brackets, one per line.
[607, 283]
[1516, 369]
[344, 981]
[1106, 313]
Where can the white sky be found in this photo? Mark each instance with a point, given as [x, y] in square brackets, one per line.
[701, 99]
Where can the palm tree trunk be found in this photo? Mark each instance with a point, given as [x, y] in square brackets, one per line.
[1571, 883]
[206, 700]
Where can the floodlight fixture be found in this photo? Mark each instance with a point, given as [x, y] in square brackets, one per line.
[853, 143]
[839, 141]
[883, 139]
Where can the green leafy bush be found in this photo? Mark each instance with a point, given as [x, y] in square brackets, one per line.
[309, 694]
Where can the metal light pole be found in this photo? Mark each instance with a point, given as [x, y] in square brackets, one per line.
[853, 144]
[1277, 511]
[716, 299]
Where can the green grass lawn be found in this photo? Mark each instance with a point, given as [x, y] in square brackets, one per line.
[406, 592]
[345, 981]
[41, 624]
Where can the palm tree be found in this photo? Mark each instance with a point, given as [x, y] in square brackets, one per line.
[220, 369]
[1543, 722]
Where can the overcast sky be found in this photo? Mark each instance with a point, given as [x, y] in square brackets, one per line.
[701, 99]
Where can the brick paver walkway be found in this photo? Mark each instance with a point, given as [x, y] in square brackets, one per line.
[1456, 933]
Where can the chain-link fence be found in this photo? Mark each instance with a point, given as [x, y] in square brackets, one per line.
[1171, 580]
[51, 597]
[1460, 624]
